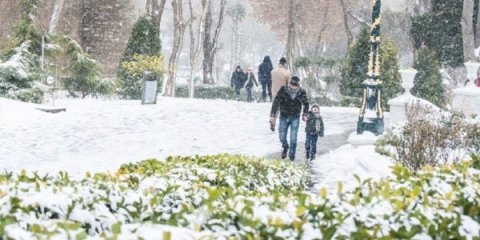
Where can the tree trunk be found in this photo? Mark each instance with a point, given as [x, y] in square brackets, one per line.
[345, 24]
[207, 52]
[291, 34]
[195, 46]
[324, 25]
[239, 45]
[234, 45]
[178, 34]
[210, 42]
[477, 27]
[467, 31]
[422, 7]
[155, 9]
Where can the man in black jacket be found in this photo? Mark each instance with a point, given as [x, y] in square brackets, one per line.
[290, 100]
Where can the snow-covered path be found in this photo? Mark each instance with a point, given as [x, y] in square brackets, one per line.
[95, 135]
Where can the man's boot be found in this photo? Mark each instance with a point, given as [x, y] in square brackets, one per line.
[284, 152]
[308, 155]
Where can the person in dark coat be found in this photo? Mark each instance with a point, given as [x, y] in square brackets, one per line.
[289, 100]
[249, 84]
[265, 77]
[237, 81]
[313, 128]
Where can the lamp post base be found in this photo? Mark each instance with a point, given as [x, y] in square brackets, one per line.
[374, 125]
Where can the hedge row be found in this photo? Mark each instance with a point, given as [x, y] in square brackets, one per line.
[236, 197]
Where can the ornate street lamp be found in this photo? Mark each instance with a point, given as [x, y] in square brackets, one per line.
[371, 113]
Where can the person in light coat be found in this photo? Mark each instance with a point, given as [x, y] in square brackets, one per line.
[280, 76]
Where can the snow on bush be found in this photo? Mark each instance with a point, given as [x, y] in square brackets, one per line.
[236, 197]
[430, 137]
[17, 78]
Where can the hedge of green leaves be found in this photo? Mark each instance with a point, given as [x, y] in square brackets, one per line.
[236, 197]
[216, 92]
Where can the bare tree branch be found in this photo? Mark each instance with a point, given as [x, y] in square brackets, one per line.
[358, 19]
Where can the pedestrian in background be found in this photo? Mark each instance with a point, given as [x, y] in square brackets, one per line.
[265, 78]
[237, 81]
[249, 83]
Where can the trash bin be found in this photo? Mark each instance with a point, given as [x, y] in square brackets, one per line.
[149, 88]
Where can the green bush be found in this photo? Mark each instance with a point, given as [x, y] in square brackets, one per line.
[210, 92]
[441, 30]
[324, 101]
[350, 101]
[143, 47]
[236, 197]
[428, 80]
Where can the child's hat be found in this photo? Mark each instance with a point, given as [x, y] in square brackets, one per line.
[315, 105]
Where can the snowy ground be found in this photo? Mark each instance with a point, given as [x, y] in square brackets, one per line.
[97, 136]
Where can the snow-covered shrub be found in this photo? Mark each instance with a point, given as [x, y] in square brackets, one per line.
[431, 138]
[180, 191]
[18, 79]
[234, 197]
[209, 92]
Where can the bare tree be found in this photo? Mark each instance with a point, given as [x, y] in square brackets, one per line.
[289, 49]
[316, 21]
[467, 31]
[323, 27]
[477, 27]
[195, 44]
[210, 42]
[155, 9]
[345, 23]
[237, 13]
[179, 26]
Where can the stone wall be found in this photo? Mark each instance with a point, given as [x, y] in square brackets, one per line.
[105, 30]
[8, 17]
[101, 27]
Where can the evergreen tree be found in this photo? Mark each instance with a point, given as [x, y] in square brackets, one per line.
[144, 40]
[19, 74]
[441, 31]
[354, 69]
[390, 76]
[83, 71]
[428, 81]
[26, 30]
